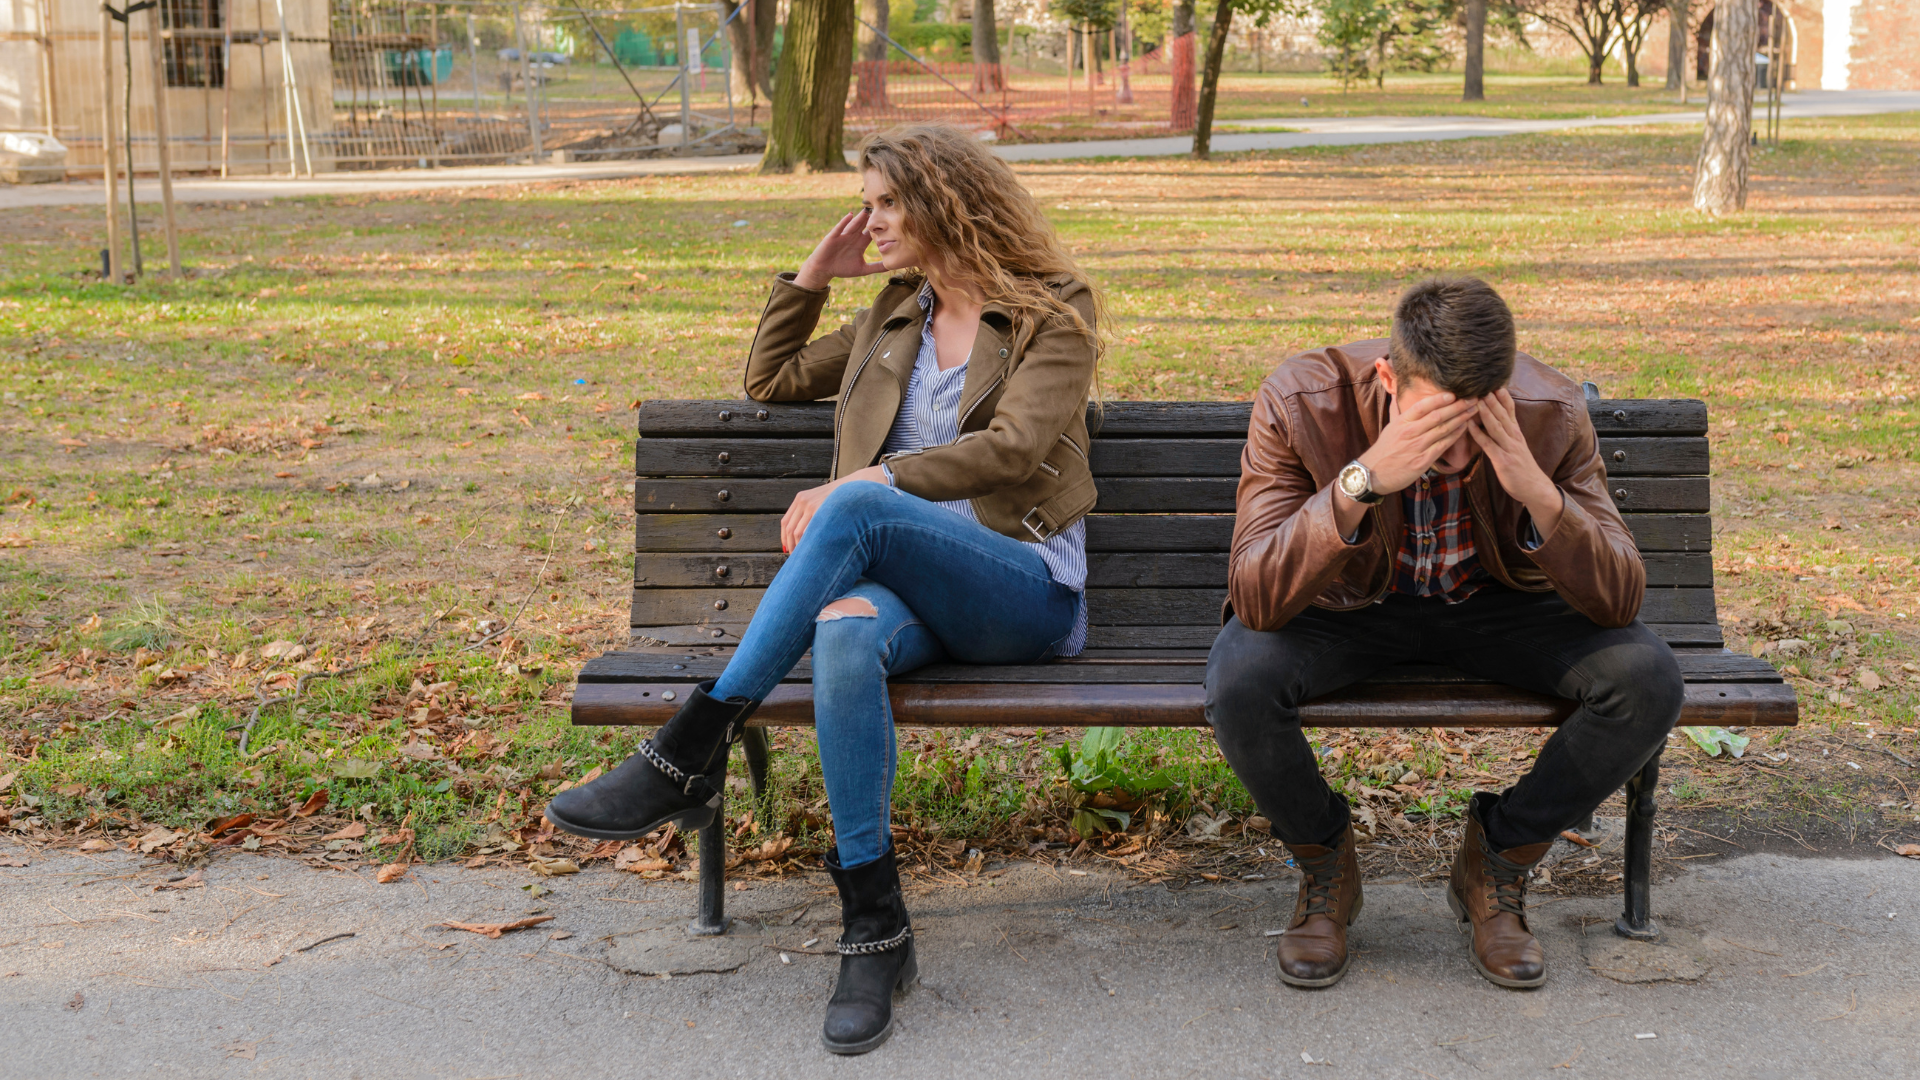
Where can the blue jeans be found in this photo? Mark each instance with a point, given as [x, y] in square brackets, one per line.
[941, 587]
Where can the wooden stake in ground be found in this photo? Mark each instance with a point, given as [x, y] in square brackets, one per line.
[111, 165]
[1720, 172]
[810, 97]
[161, 136]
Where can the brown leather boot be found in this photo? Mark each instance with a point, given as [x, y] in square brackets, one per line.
[1489, 896]
[1313, 951]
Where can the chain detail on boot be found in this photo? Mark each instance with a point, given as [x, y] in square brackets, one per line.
[673, 773]
[868, 948]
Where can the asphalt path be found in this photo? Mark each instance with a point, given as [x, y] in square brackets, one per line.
[1321, 131]
[1771, 966]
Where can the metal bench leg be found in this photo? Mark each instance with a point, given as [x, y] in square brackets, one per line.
[1636, 922]
[754, 743]
[711, 917]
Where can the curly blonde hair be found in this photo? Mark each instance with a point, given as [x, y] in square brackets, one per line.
[963, 201]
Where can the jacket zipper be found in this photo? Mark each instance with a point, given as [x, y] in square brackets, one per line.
[846, 395]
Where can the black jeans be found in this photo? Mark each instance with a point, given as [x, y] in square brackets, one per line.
[1626, 681]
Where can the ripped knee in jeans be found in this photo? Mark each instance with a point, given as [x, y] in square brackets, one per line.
[848, 607]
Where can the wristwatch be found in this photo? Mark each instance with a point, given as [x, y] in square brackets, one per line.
[1356, 483]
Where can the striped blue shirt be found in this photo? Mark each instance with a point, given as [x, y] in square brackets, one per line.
[930, 416]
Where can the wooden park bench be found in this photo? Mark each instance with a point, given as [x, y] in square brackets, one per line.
[713, 478]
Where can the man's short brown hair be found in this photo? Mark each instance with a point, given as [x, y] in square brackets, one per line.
[1456, 333]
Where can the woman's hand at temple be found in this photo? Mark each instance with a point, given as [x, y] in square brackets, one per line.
[840, 253]
[793, 524]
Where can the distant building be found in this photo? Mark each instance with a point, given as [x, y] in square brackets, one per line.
[226, 80]
[1827, 44]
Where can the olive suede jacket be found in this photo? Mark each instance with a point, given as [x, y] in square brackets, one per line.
[1021, 457]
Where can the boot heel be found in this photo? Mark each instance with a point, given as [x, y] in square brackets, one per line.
[909, 973]
[1459, 909]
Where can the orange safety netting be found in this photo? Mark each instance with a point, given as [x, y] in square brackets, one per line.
[1139, 96]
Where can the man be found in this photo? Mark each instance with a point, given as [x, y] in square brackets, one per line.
[1434, 497]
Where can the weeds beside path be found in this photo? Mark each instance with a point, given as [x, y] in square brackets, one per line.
[393, 432]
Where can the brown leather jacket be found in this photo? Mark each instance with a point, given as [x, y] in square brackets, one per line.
[1022, 452]
[1321, 409]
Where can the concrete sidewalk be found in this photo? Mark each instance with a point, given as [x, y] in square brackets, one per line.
[1772, 966]
[1338, 131]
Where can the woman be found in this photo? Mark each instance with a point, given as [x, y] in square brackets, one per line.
[952, 527]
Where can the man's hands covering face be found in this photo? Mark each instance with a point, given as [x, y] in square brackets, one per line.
[1497, 431]
[1415, 438]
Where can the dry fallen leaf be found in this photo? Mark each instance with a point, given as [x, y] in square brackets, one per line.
[96, 845]
[315, 803]
[352, 832]
[1911, 851]
[495, 929]
[195, 880]
[220, 826]
[390, 873]
[552, 867]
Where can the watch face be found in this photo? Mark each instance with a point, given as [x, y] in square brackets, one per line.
[1353, 481]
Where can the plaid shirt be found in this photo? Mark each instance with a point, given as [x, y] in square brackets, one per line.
[1436, 556]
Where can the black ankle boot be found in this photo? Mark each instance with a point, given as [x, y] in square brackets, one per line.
[676, 776]
[876, 955]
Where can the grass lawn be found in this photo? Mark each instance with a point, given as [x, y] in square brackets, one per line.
[390, 437]
[1246, 95]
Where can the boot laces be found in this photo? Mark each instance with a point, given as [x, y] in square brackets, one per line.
[1509, 882]
[1318, 879]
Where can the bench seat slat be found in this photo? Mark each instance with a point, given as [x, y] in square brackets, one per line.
[1180, 705]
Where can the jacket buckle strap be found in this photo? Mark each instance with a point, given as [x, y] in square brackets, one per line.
[1037, 525]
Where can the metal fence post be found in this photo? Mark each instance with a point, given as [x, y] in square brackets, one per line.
[686, 103]
[473, 64]
[526, 76]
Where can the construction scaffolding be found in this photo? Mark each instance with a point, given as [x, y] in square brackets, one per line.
[303, 86]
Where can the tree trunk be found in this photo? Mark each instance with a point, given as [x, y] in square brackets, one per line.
[1123, 35]
[1476, 89]
[750, 36]
[1676, 43]
[872, 68]
[1210, 80]
[1182, 112]
[1720, 173]
[810, 103]
[988, 77]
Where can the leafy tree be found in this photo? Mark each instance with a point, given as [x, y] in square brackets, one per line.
[1263, 12]
[1594, 26]
[1635, 18]
[1369, 38]
[1348, 28]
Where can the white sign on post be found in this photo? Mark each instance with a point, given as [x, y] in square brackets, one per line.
[693, 52]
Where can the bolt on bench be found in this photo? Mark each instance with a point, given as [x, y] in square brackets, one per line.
[715, 476]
